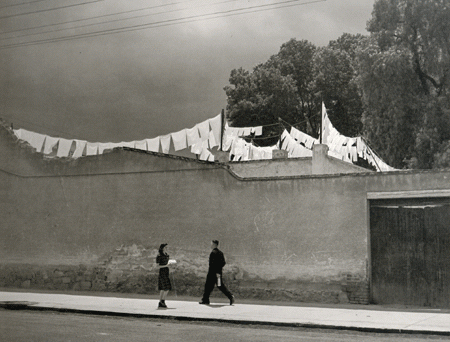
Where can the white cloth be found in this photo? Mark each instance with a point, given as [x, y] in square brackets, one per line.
[50, 142]
[197, 147]
[212, 140]
[129, 144]
[203, 128]
[64, 147]
[153, 144]
[246, 131]
[237, 146]
[91, 149]
[205, 152]
[193, 136]
[105, 146]
[36, 140]
[179, 140]
[284, 138]
[227, 142]
[18, 133]
[165, 143]
[141, 145]
[216, 127]
[232, 131]
[257, 130]
[79, 148]
[204, 155]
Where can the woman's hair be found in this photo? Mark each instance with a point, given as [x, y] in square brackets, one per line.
[161, 248]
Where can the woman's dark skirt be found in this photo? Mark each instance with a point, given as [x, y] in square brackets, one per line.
[163, 280]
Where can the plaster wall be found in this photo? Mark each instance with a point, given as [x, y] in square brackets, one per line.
[270, 168]
[275, 230]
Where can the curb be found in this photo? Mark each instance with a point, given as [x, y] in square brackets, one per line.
[20, 305]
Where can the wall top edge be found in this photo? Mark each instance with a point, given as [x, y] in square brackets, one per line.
[409, 194]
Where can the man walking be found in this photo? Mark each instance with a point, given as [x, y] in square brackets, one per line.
[214, 276]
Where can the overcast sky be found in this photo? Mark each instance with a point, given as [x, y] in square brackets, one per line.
[148, 80]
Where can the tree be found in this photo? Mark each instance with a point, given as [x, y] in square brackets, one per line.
[260, 98]
[324, 74]
[278, 88]
[391, 107]
[334, 83]
[404, 79]
[296, 59]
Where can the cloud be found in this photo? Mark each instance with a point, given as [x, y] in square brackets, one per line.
[144, 83]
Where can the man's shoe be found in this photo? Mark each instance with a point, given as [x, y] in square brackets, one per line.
[204, 303]
[232, 300]
[162, 305]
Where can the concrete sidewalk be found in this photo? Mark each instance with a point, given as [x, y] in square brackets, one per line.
[423, 322]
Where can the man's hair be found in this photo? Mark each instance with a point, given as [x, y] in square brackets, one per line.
[216, 242]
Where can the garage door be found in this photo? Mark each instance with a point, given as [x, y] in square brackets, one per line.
[410, 252]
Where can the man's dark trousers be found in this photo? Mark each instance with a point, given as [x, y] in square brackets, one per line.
[211, 280]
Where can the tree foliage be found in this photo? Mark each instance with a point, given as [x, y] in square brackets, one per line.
[334, 83]
[392, 87]
[292, 84]
[404, 79]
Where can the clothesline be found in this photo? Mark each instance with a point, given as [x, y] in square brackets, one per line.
[206, 135]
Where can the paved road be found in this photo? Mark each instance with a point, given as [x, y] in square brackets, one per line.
[18, 325]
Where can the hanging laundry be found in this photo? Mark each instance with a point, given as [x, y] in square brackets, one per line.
[165, 143]
[18, 133]
[50, 142]
[267, 152]
[212, 140]
[91, 149]
[153, 144]
[105, 146]
[284, 139]
[129, 144]
[192, 135]
[227, 142]
[205, 153]
[179, 140]
[203, 128]
[257, 130]
[141, 145]
[216, 127]
[197, 148]
[36, 140]
[255, 153]
[79, 148]
[64, 147]
[246, 131]
[231, 131]
[246, 154]
[237, 148]
[359, 144]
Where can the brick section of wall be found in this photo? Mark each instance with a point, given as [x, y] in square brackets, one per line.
[100, 278]
[120, 271]
[357, 289]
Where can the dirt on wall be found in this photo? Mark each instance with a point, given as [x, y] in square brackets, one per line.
[120, 271]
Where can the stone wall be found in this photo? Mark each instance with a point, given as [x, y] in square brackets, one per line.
[120, 271]
[302, 238]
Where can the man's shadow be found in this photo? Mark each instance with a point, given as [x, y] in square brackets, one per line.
[216, 306]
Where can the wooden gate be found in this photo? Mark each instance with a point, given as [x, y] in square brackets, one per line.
[410, 252]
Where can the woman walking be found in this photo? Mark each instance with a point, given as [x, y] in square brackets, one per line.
[164, 285]
[163, 263]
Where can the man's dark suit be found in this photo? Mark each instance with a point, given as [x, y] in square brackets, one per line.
[216, 263]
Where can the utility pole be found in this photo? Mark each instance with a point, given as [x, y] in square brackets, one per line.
[222, 120]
